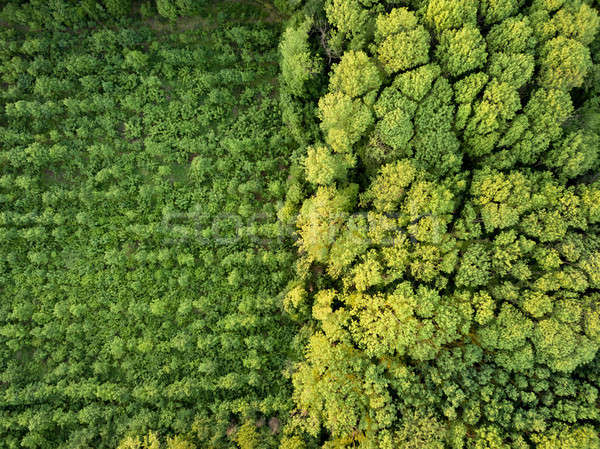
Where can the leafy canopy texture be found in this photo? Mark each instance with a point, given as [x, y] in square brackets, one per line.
[65, 14]
[441, 164]
[449, 235]
[140, 257]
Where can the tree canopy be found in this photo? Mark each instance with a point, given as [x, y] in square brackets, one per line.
[449, 238]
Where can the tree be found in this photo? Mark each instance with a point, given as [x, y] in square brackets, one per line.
[118, 7]
[461, 50]
[322, 167]
[355, 75]
[343, 120]
[565, 63]
[401, 43]
[297, 63]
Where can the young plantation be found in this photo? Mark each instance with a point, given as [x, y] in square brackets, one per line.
[304, 224]
[142, 264]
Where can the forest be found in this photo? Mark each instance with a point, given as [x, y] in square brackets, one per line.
[300, 224]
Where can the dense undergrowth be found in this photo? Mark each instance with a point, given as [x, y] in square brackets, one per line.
[141, 262]
[300, 224]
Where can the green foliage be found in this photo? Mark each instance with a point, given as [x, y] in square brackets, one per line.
[443, 15]
[343, 120]
[351, 21]
[297, 64]
[565, 63]
[151, 441]
[461, 51]
[567, 438]
[324, 168]
[171, 9]
[118, 7]
[355, 75]
[320, 220]
[575, 155]
[141, 261]
[302, 72]
[401, 43]
[441, 165]
[63, 14]
[454, 302]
